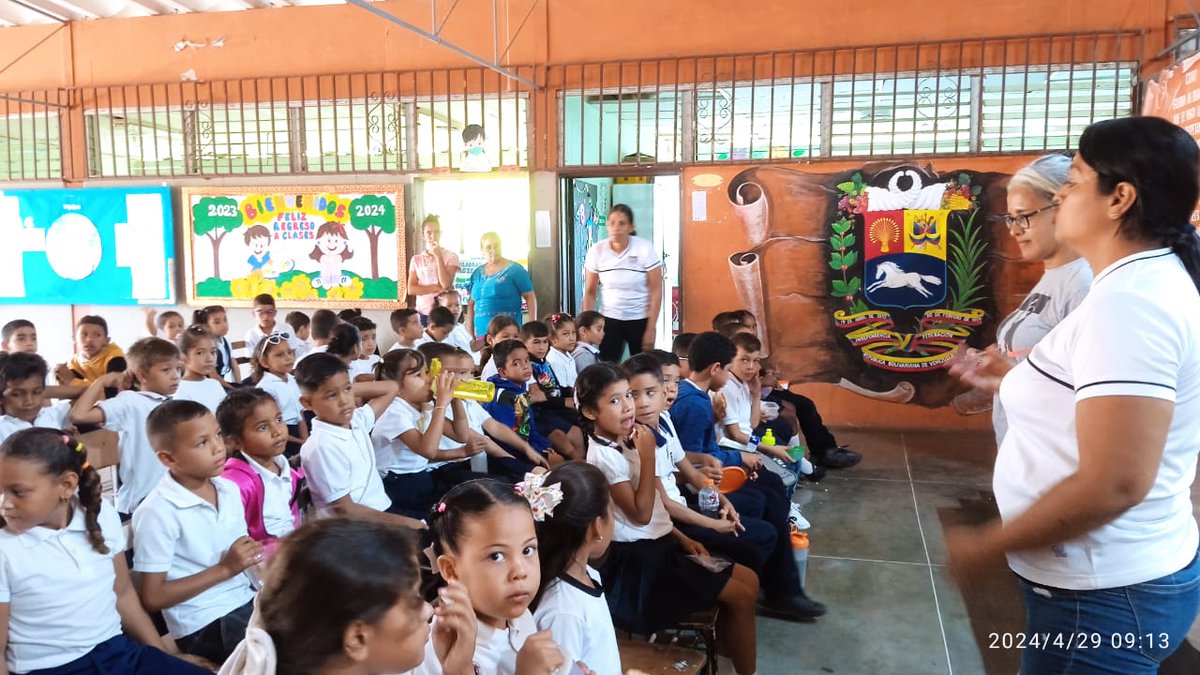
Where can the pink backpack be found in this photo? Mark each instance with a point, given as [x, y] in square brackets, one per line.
[253, 492]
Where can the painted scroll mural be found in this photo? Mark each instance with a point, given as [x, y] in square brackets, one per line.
[871, 278]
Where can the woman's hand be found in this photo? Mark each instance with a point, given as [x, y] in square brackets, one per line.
[454, 631]
[982, 370]
[649, 336]
[972, 554]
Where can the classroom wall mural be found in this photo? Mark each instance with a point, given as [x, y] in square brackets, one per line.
[340, 246]
[103, 246]
[871, 277]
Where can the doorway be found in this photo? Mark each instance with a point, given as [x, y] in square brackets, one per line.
[655, 202]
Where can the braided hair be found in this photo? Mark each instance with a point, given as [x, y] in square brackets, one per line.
[59, 453]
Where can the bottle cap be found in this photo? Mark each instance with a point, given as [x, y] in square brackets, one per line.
[708, 482]
[799, 539]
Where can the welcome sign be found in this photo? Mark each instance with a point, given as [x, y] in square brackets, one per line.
[340, 246]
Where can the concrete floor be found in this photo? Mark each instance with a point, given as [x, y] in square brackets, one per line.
[878, 561]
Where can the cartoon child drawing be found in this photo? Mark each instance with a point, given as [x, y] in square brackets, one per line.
[475, 155]
[258, 238]
[332, 249]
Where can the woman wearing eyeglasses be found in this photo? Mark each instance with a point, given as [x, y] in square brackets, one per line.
[1030, 220]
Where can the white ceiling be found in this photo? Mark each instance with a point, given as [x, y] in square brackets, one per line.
[25, 12]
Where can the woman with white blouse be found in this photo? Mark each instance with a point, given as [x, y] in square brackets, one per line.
[627, 272]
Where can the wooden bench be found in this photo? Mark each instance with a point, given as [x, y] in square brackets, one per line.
[658, 659]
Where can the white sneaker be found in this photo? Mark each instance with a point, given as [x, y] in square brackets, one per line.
[806, 467]
[796, 518]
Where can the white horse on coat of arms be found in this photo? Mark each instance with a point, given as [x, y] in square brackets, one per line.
[891, 275]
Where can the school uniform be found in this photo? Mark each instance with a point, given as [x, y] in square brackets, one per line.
[62, 607]
[449, 473]
[585, 355]
[407, 476]
[318, 349]
[552, 414]
[255, 336]
[139, 471]
[459, 337]
[738, 410]
[207, 391]
[563, 364]
[52, 417]
[178, 533]
[516, 414]
[225, 360]
[340, 462]
[650, 582]
[579, 619]
[496, 648]
[286, 393]
[269, 500]
[363, 366]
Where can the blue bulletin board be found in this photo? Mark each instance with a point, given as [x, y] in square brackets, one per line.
[101, 246]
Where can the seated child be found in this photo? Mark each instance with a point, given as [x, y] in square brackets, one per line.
[264, 325]
[301, 326]
[199, 382]
[406, 324]
[572, 533]
[189, 537]
[154, 367]
[338, 457]
[743, 411]
[562, 345]
[652, 576]
[501, 327]
[679, 347]
[372, 571]
[441, 325]
[484, 538]
[216, 321]
[800, 415]
[556, 417]
[362, 369]
[68, 603]
[321, 328]
[408, 437]
[272, 372]
[94, 355]
[589, 333]
[255, 438]
[23, 396]
[513, 371]
[167, 325]
[459, 337]
[19, 335]
[344, 342]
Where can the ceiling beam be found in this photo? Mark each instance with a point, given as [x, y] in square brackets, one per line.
[444, 43]
[39, 10]
[77, 11]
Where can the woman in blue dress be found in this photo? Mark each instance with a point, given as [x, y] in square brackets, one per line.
[497, 287]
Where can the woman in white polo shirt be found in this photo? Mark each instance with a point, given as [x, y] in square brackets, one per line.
[1093, 479]
[629, 271]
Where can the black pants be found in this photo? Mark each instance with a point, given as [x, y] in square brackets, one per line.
[621, 334]
[816, 434]
[217, 640]
[763, 498]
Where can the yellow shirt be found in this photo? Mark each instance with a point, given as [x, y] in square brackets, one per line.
[93, 368]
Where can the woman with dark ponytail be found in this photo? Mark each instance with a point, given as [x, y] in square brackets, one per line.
[64, 584]
[1096, 512]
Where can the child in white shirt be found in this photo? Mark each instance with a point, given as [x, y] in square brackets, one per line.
[199, 382]
[273, 362]
[589, 331]
[23, 395]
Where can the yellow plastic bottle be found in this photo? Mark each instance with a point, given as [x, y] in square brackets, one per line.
[468, 390]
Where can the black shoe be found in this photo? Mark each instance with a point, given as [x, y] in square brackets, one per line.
[798, 608]
[817, 474]
[836, 458]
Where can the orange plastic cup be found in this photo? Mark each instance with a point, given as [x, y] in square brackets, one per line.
[732, 478]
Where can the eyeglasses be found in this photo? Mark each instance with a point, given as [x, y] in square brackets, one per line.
[265, 312]
[1020, 223]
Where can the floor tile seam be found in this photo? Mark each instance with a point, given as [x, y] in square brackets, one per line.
[937, 605]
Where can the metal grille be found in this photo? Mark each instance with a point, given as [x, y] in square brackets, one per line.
[995, 95]
[30, 135]
[326, 124]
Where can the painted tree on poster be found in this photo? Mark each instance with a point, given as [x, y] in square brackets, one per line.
[216, 217]
[375, 215]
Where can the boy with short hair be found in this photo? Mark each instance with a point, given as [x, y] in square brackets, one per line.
[679, 347]
[191, 547]
[300, 324]
[23, 396]
[556, 417]
[512, 372]
[264, 324]
[459, 337]
[154, 365]
[441, 325]
[406, 324]
[362, 369]
[338, 457]
[19, 335]
[94, 355]
[321, 327]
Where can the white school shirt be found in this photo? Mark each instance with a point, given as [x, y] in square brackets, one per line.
[581, 623]
[52, 417]
[363, 366]
[585, 354]
[416, 343]
[1137, 333]
[476, 416]
[318, 349]
[139, 471]
[286, 394]
[338, 462]
[391, 454]
[563, 365]
[459, 337]
[624, 292]
[496, 648]
[277, 496]
[667, 458]
[623, 466]
[737, 411]
[255, 336]
[59, 591]
[207, 391]
[177, 532]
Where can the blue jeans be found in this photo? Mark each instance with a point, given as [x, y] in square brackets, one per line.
[1127, 630]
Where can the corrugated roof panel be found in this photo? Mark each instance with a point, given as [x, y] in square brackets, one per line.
[28, 12]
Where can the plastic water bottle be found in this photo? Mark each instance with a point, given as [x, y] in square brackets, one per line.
[710, 501]
[769, 437]
[800, 553]
[797, 452]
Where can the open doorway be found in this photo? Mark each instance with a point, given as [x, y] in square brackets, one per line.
[655, 202]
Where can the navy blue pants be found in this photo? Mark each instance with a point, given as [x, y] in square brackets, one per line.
[121, 656]
[763, 499]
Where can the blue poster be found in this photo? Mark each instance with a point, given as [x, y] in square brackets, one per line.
[87, 246]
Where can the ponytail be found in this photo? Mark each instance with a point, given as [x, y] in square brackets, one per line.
[1187, 247]
[344, 340]
[200, 317]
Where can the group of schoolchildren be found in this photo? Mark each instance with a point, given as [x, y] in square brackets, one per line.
[560, 505]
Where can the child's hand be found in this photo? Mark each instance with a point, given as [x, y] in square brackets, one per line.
[121, 380]
[751, 461]
[712, 472]
[730, 514]
[643, 439]
[539, 655]
[244, 554]
[722, 525]
[536, 458]
[691, 546]
[444, 384]
[536, 395]
[720, 407]
[777, 451]
[476, 443]
[63, 373]
[454, 631]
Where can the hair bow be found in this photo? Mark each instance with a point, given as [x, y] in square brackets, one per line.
[542, 499]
